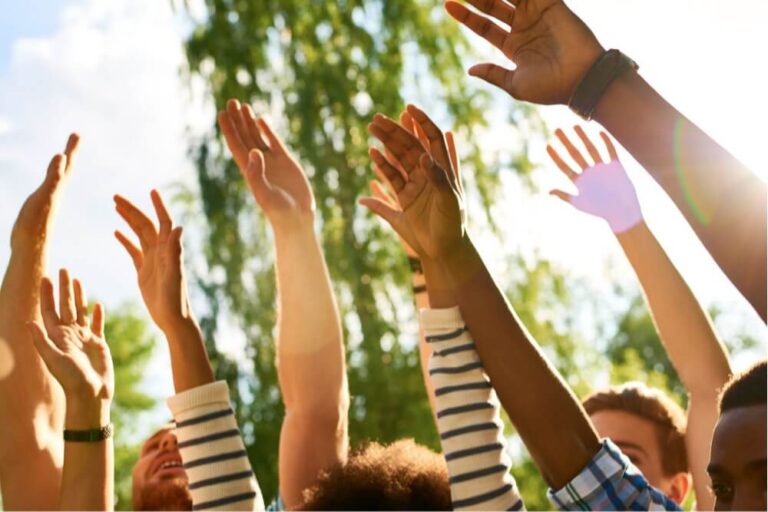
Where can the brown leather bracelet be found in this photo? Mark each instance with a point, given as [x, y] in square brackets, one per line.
[610, 65]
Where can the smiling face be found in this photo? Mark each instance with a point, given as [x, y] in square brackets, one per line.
[159, 479]
[737, 464]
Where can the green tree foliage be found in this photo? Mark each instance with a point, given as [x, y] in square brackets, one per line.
[131, 345]
[324, 68]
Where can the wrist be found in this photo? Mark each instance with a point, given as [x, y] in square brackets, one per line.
[615, 96]
[86, 413]
[291, 222]
[181, 329]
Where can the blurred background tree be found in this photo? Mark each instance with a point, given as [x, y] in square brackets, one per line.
[320, 70]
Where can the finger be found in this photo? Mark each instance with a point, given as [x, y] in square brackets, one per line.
[565, 196]
[613, 155]
[499, 9]
[234, 142]
[175, 242]
[253, 130]
[591, 149]
[71, 150]
[233, 109]
[560, 163]
[45, 347]
[575, 153]
[390, 173]
[437, 146]
[166, 222]
[140, 224]
[379, 192]
[48, 305]
[134, 252]
[381, 209]
[97, 325]
[274, 141]
[385, 181]
[480, 25]
[404, 145]
[502, 78]
[81, 304]
[455, 167]
[55, 170]
[67, 311]
[409, 124]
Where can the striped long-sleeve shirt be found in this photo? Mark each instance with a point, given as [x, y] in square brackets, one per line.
[212, 450]
[471, 430]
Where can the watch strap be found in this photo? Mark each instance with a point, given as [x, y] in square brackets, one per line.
[610, 65]
[89, 436]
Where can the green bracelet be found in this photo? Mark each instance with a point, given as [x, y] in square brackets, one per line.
[89, 436]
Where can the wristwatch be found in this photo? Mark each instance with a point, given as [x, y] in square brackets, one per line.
[89, 436]
[609, 66]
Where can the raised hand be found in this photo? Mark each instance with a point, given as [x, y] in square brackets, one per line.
[72, 345]
[274, 177]
[550, 46]
[158, 262]
[36, 214]
[431, 215]
[604, 189]
[382, 189]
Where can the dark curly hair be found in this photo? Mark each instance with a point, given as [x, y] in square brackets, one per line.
[745, 389]
[399, 476]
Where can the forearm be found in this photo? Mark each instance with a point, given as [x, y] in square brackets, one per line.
[421, 299]
[546, 414]
[190, 365]
[691, 342]
[722, 200]
[87, 481]
[311, 366]
[684, 327]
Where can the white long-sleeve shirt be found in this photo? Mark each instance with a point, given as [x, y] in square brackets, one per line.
[212, 450]
[471, 430]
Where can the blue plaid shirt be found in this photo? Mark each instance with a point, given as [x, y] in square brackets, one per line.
[610, 482]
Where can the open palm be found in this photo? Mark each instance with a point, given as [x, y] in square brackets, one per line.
[275, 178]
[71, 345]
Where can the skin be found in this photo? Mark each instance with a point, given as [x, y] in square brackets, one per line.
[384, 196]
[75, 352]
[31, 400]
[725, 204]
[432, 222]
[310, 349]
[158, 449]
[683, 325]
[158, 260]
[738, 459]
[637, 438]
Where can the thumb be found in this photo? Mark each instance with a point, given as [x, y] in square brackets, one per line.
[44, 346]
[382, 209]
[495, 75]
[565, 196]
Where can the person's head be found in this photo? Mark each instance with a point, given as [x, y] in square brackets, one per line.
[649, 427]
[399, 476]
[737, 462]
[159, 480]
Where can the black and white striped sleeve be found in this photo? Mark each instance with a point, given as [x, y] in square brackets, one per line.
[471, 430]
[212, 450]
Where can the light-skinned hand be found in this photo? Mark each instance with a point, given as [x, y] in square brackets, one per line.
[35, 217]
[604, 189]
[72, 344]
[552, 49]
[273, 175]
[158, 260]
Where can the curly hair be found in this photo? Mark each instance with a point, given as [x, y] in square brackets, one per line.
[745, 389]
[399, 476]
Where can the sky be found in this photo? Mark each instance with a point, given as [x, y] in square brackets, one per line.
[111, 71]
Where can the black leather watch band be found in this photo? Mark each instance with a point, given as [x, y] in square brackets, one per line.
[89, 436]
[610, 65]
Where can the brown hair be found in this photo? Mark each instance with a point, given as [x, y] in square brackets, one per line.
[653, 405]
[399, 476]
[745, 389]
